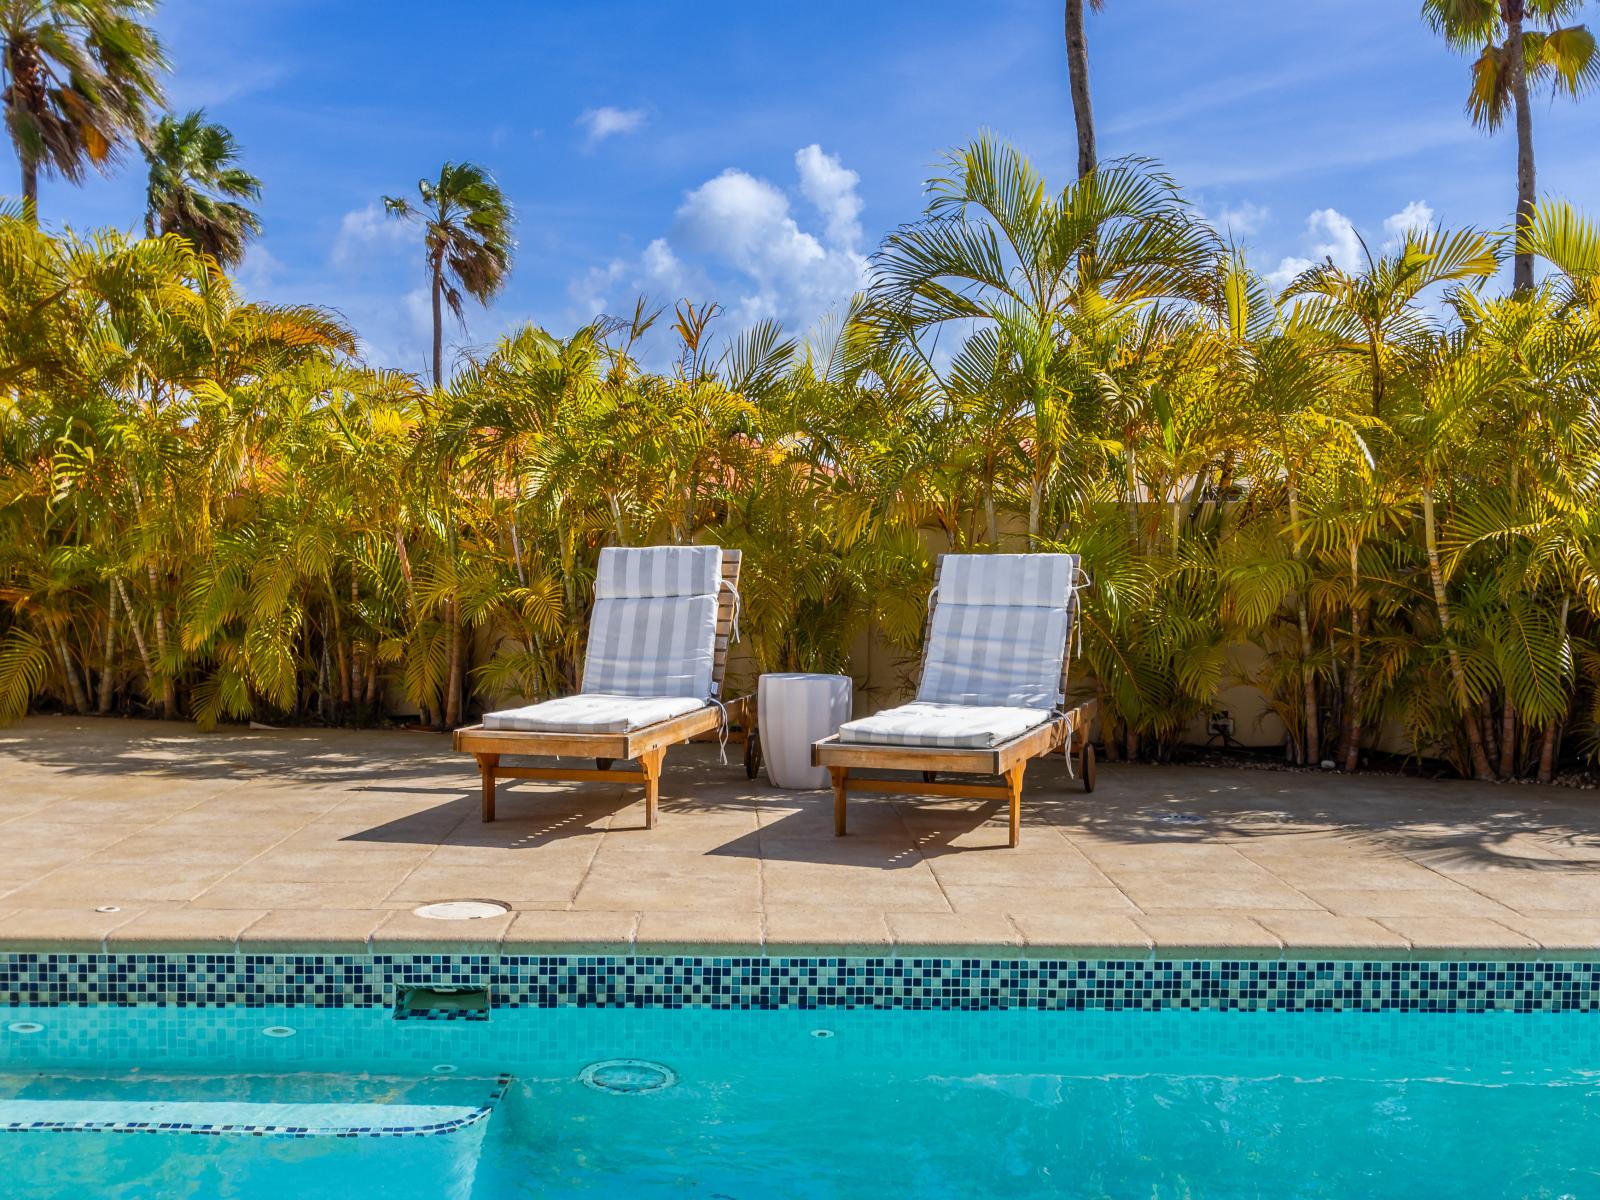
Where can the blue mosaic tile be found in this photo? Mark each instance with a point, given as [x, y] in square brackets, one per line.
[645, 981]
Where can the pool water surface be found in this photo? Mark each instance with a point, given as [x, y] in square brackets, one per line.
[1153, 1105]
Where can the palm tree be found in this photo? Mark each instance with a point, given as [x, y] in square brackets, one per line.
[78, 78]
[467, 239]
[195, 187]
[1078, 80]
[1520, 44]
[1045, 273]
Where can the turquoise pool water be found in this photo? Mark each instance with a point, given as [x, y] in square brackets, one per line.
[1161, 1105]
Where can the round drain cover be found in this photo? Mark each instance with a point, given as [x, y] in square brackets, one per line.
[462, 910]
[25, 1027]
[629, 1076]
[278, 1031]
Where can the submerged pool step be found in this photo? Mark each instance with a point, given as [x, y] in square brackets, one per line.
[245, 1118]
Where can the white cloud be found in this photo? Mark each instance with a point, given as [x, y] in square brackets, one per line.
[1241, 220]
[1330, 236]
[745, 223]
[606, 121]
[363, 230]
[735, 239]
[657, 272]
[831, 188]
[1415, 217]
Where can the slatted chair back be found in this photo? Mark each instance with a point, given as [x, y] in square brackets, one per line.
[727, 617]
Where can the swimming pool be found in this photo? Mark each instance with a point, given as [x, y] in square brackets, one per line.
[799, 1103]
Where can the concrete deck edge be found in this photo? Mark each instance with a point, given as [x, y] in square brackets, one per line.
[133, 943]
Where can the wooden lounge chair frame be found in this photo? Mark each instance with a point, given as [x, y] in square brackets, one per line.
[1068, 732]
[647, 746]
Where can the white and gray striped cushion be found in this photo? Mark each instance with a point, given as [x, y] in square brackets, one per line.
[952, 726]
[648, 636]
[627, 572]
[592, 714]
[985, 650]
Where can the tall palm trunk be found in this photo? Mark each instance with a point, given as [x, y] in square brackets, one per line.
[69, 671]
[30, 188]
[1508, 741]
[1078, 80]
[1352, 686]
[1552, 729]
[1512, 11]
[138, 637]
[1469, 715]
[438, 323]
[169, 690]
[1311, 749]
[458, 653]
[108, 663]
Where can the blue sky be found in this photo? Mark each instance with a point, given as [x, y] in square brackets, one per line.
[753, 154]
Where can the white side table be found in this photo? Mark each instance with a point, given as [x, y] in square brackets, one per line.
[794, 710]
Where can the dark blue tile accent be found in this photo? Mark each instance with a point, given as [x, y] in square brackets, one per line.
[339, 981]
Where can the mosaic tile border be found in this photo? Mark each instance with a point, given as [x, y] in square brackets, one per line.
[579, 981]
[245, 1129]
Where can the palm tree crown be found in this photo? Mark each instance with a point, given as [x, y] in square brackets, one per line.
[466, 237]
[190, 159]
[78, 78]
[1521, 45]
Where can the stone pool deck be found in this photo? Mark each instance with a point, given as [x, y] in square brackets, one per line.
[325, 840]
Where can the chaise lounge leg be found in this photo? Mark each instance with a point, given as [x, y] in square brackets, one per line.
[1014, 795]
[486, 765]
[650, 764]
[841, 789]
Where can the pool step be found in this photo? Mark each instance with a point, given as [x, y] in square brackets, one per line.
[245, 1118]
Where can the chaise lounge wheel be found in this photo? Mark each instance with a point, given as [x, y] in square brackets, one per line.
[752, 754]
[1086, 767]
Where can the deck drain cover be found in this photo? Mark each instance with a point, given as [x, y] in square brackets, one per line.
[1181, 818]
[462, 910]
[629, 1076]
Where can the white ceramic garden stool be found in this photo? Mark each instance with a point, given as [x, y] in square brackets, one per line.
[794, 711]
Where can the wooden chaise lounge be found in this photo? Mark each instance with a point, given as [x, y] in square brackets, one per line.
[991, 697]
[658, 649]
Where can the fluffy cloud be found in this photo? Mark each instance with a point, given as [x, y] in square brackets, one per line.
[1330, 236]
[736, 237]
[363, 230]
[657, 271]
[1241, 220]
[1415, 217]
[606, 121]
[830, 186]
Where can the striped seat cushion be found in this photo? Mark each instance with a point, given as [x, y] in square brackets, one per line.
[590, 713]
[999, 630]
[951, 726]
[654, 627]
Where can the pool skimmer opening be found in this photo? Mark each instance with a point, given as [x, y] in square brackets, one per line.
[461, 910]
[628, 1076]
